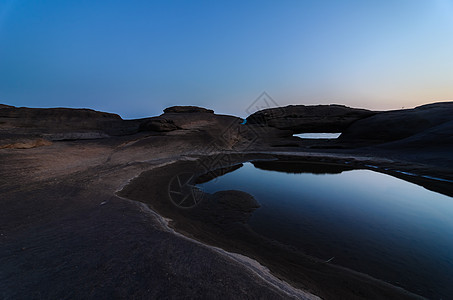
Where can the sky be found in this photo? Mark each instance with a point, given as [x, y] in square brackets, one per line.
[135, 57]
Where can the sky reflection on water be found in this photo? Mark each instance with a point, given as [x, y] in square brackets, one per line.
[368, 221]
[318, 135]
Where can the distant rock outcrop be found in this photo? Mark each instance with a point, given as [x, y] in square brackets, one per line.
[425, 125]
[187, 109]
[52, 114]
[64, 123]
[224, 131]
[313, 118]
[6, 106]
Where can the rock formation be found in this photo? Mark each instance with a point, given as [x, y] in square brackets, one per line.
[425, 126]
[316, 118]
[76, 123]
[35, 127]
[187, 109]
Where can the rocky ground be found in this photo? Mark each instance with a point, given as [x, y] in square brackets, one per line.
[65, 231]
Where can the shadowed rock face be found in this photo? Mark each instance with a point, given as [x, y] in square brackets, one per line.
[316, 118]
[427, 125]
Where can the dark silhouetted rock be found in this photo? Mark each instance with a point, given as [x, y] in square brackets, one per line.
[316, 118]
[301, 167]
[424, 125]
[440, 137]
[53, 114]
[187, 109]
[6, 106]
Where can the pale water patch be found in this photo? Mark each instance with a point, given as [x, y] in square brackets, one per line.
[318, 135]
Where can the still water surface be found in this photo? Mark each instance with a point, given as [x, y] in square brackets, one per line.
[318, 135]
[364, 220]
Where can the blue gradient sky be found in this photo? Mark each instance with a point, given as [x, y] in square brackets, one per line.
[137, 57]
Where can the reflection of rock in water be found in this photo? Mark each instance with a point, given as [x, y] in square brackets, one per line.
[182, 192]
[212, 174]
[229, 210]
[301, 167]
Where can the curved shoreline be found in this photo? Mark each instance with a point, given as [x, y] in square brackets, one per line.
[249, 263]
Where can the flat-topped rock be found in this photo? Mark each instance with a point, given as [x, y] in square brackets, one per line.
[63, 123]
[187, 109]
[7, 111]
[312, 118]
